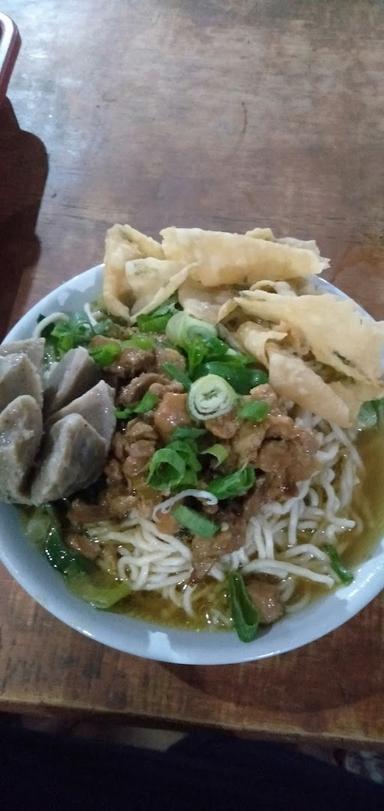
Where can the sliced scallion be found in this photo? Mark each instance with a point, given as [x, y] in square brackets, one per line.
[194, 521]
[166, 469]
[175, 373]
[210, 397]
[105, 354]
[218, 451]
[147, 403]
[183, 328]
[254, 411]
[235, 484]
[345, 575]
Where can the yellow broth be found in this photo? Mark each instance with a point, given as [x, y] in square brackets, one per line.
[368, 500]
[211, 603]
[211, 609]
[211, 606]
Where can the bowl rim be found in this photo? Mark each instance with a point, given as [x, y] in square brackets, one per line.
[159, 642]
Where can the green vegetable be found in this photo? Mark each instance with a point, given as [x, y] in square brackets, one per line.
[75, 331]
[167, 469]
[235, 484]
[371, 414]
[188, 451]
[183, 328]
[83, 577]
[199, 340]
[210, 397]
[44, 530]
[202, 349]
[241, 379]
[197, 523]
[237, 357]
[345, 575]
[187, 432]
[139, 342]
[147, 403]
[59, 555]
[98, 589]
[105, 354]
[175, 373]
[196, 354]
[244, 613]
[176, 466]
[219, 452]
[255, 411]
[157, 320]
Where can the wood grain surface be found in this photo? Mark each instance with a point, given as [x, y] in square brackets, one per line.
[223, 114]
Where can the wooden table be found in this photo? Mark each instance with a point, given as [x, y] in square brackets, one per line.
[223, 114]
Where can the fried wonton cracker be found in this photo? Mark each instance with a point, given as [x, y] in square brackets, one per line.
[202, 302]
[333, 328]
[222, 258]
[151, 282]
[123, 244]
[294, 380]
[255, 339]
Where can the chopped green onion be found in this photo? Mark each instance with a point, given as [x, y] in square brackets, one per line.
[255, 411]
[166, 469]
[235, 484]
[105, 354]
[345, 575]
[72, 332]
[188, 452]
[257, 377]
[147, 403]
[202, 349]
[210, 397]
[175, 373]
[183, 328]
[187, 432]
[244, 613]
[242, 379]
[139, 342]
[219, 452]
[157, 320]
[237, 357]
[197, 523]
[124, 413]
[153, 323]
[196, 354]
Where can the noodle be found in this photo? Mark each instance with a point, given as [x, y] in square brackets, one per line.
[283, 540]
[47, 321]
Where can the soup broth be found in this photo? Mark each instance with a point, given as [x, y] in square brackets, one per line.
[212, 604]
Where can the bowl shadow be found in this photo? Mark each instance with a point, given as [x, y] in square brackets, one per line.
[23, 174]
[333, 674]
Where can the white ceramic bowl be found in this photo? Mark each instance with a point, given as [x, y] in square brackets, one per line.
[47, 587]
